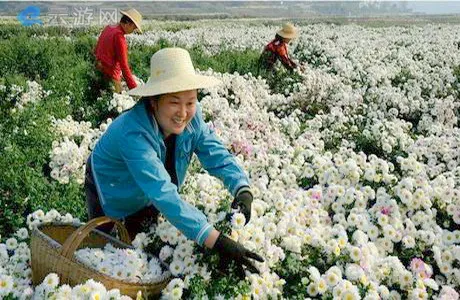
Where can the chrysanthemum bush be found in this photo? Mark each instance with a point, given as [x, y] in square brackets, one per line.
[329, 223]
[354, 169]
[50, 288]
[21, 97]
[71, 150]
[121, 102]
[75, 141]
[210, 37]
[15, 271]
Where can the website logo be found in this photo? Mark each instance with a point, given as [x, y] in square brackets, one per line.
[30, 16]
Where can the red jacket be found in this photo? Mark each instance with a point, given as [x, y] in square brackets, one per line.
[112, 53]
[277, 49]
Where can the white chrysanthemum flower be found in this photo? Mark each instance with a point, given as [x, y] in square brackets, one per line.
[408, 241]
[176, 267]
[448, 237]
[175, 283]
[51, 281]
[406, 278]
[6, 284]
[22, 234]
[140, 240]
[166, 252]
[350, 295]
[238, 221]
[332, 279]
[96, 295]
[321, 286]
[176, 293]
[315, 275]
[11, 244]
[355, 253]
[64, 292]
[114, 294]
[312, 289]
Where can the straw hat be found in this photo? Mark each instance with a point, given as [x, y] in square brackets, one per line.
[288, 31]
[135, 16]
[171, 71]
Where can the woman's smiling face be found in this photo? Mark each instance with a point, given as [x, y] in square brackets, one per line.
[174, 111]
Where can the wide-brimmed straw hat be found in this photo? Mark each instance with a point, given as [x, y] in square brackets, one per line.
[171, 71]
[135, 16]
[288, 31]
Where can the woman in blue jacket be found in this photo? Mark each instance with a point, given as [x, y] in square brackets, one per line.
[141, 160]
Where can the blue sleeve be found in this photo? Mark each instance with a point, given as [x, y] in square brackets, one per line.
[216, 159]
[150, 175]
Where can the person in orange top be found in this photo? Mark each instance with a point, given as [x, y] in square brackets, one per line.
[277, 49]
[112, 50]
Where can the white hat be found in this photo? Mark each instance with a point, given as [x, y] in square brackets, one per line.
[135, 16]
[288, 31]
[171, 71]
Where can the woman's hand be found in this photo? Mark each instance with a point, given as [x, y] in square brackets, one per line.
[243, 201]
[229, 250]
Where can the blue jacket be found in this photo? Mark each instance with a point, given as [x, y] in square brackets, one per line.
[129, 173]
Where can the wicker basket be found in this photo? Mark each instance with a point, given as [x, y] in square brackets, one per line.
[52, 251]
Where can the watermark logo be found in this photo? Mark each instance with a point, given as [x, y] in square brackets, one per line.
[82, 16]
[68, 16]
[58, 16]
[108, 15]
[30, 16]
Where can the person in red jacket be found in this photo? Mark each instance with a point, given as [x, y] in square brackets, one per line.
[112, 50]
[277, 49]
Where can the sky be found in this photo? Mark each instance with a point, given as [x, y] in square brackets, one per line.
[423, 7]
[435, 7]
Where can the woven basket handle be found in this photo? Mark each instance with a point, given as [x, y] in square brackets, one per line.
[74, 240]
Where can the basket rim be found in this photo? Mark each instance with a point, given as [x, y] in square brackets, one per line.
[37, 231]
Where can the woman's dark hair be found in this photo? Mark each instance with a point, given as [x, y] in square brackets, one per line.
[126, 20]
[148, 100]
[278, 37]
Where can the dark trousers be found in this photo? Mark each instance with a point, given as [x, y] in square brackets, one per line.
[135, 223]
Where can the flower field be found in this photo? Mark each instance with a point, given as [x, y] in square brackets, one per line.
[354, 161]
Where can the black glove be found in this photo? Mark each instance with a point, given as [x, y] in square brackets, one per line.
[243, 200]
[229, 250]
